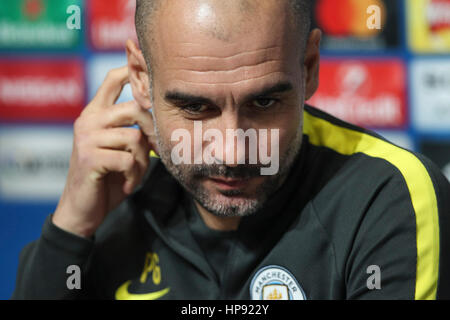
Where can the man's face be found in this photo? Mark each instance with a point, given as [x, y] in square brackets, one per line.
[229, 65]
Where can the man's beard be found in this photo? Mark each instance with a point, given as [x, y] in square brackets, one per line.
[229, 203]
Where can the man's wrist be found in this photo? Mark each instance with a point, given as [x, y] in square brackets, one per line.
[78, 229]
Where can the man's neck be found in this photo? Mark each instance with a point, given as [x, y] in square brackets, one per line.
[217, 223]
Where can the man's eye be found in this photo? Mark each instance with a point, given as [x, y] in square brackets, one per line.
[264, 103]
[194, 108]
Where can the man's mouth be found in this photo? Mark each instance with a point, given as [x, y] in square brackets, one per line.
[230, 183]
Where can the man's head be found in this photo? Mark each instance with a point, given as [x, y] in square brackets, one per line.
[235, 64]
[300, 15]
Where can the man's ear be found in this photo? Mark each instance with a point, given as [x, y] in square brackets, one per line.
[311, 63]
[138, 75]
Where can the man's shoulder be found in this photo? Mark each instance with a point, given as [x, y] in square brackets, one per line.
[363, 155]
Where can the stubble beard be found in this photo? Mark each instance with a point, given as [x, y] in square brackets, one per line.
[230, 203]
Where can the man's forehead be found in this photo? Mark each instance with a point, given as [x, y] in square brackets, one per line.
[227, 66]
[226, 56]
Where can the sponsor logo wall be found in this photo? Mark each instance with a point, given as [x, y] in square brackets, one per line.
[393, 79]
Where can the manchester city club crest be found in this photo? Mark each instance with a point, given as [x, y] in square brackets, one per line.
[275, 283]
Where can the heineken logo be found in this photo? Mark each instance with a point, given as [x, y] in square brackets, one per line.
[40, 23]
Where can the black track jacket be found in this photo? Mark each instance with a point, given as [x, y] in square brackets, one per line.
[357, 218]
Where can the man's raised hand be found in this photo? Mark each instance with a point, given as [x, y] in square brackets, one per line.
[108, 159]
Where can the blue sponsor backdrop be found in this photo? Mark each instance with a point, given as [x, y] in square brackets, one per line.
[32, 166]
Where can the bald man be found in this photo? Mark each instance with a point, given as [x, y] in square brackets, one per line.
[253, 194]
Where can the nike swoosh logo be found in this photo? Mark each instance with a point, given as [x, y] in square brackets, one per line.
[123, 294]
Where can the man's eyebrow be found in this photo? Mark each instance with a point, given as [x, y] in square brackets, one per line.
[176, 96]
[280, 87]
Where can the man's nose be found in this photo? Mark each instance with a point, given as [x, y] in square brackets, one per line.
[234, 150]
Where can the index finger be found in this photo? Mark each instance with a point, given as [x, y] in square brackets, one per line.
[111, 88]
